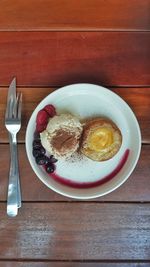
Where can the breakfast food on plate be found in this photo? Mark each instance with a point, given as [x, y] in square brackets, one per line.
[43, 116]
[101, 139]
[62, 135]
[40, 156]
[39, 152]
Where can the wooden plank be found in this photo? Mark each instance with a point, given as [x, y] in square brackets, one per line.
[139, 101]
[137, 98]
[74, 15]
[70, 264]
[76, 231]
[60, 58]
[136, 188]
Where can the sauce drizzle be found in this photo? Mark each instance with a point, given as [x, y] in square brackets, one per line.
[105, 179]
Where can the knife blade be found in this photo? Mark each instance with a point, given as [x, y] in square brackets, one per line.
[12, 90]
[11, 96]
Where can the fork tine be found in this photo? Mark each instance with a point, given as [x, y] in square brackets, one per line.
[7, 110]
[11, 108]
[19, 106]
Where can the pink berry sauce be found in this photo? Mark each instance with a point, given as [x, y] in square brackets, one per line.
[105, 179]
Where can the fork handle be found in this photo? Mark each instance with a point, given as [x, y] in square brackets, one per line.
[13, 186]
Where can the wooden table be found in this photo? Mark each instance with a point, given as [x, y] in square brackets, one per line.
[48, 44]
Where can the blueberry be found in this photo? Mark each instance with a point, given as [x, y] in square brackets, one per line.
[42, 150]
[50, 167]
[36, 152]
[52, 159]
[47, 160]
[37, 144]
[36, 136]
[40, 160]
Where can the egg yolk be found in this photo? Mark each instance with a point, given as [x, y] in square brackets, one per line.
[100, 139]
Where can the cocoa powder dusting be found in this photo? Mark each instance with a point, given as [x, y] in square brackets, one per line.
[63, 140]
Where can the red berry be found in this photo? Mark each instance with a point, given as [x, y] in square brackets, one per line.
[42, 117]
[50, 109]
[40, 127]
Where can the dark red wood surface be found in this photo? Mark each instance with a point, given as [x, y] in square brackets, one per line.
[48, 44]
[71, 264]
[72, 15]
[60, 58]
[76, 231]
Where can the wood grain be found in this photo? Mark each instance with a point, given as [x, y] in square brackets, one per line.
[139, 101]
[135, 189]
[76, 231]
[66, 15]
[54, 43]
[70, 264]
[137, 98]
[60, 58]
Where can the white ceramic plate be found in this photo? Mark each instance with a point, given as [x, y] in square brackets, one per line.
[90, 179]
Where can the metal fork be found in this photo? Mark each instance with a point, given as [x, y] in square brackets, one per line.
[13, 125]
